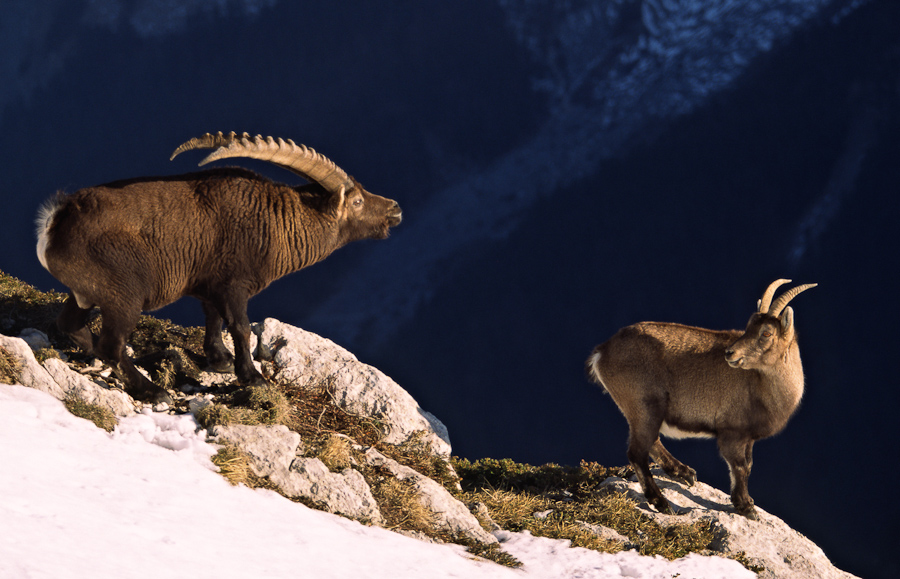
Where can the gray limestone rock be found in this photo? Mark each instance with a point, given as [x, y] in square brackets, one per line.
[344, 493]
[271, 449]
[769, 542]
[56, 378]
[310, 360]
[452, 515]
[32, 373]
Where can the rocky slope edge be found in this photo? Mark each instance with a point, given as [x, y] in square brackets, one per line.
[339, 435]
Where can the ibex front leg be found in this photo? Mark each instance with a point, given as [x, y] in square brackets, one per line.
[738, 453]
[233, 307]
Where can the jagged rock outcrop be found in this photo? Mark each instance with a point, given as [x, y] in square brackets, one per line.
[56, 378]
[275, 453]
[307, 359]
[72, 382]
[280, 455]
[770, 543]
[346, 493]
[451, 515]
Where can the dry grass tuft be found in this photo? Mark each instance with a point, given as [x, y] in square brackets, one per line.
[399, 504]
[251, 406]
[567, 497]
[316, 414]
[233, 464]
[10, 367]
[334, 452]
[45, 354]
[102, 417]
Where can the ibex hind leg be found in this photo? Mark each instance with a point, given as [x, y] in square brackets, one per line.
[73, 320]
[670, 464]
[118, 323]
[640, 442]
[218, 358]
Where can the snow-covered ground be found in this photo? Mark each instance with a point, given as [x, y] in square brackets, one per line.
[145, 501]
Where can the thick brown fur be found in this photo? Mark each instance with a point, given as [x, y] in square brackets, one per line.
[220, 236]
[681, 381]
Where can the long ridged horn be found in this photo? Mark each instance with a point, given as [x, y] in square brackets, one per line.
[762, 306]
[299, 159]
[787, 296]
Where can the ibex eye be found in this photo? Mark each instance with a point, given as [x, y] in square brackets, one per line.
[767, 334]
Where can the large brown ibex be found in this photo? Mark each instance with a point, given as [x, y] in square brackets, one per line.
[682, 381]
[220, 235]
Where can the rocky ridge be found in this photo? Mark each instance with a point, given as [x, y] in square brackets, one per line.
[284, 459]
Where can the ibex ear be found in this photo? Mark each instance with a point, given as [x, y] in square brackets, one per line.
[787, 320]
[337, 202]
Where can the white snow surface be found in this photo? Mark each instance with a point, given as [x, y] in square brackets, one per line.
[145, 501]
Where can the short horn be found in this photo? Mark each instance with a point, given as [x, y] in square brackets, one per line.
[300, 159]
[762, 306]
[787, 296]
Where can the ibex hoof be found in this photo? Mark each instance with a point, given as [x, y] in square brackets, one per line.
[221, 367]
[151, 394]
[663, 507]
[688, 476]
[749, 512]
[253, 381]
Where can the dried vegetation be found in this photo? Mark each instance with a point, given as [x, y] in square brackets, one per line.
[549, 500]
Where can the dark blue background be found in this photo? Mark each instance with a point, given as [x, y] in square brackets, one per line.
[565, 169]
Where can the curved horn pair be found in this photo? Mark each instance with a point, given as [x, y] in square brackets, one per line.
[300, 159]
[765, 305]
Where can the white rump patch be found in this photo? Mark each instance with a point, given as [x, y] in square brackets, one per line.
[673, 432]
[44, 221]
[593, 362]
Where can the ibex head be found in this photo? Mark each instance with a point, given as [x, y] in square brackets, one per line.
[360, 213]
[770, 331]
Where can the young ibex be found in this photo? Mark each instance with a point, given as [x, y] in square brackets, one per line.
[685, 382]
[220, 235]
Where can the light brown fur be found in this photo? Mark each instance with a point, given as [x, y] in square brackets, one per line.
[220, 235]
[736, 386]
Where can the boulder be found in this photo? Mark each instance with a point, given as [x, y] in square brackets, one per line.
[56, 378]
[271, 448]
[310, 360]
[72, 382]
[344, 493]
[273, 452]
[32, 374]
[451, 515]
[35, 338]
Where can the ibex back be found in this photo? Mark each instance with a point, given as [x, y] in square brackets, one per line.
[220, 235]
[681, 381]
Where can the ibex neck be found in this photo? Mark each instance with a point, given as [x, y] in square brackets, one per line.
[782, 385]
[313, 243]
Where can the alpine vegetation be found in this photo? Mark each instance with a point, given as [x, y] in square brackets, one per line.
[680, 381]
[220, 235]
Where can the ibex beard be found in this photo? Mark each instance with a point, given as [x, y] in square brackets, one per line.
[681, 381]
[220, 235]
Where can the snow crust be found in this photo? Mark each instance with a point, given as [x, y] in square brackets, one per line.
[144, 502]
